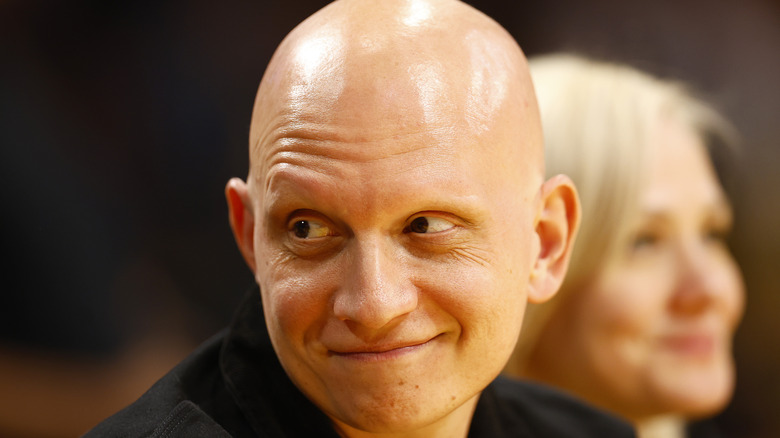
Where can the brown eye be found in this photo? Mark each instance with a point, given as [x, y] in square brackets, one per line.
[308, 229]
[301, 229]
[419, 225]
[428, 225]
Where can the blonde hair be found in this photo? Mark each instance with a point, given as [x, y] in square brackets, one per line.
[597, 119]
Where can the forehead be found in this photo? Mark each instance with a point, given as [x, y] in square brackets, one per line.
[394, 159]
[387, 89]
[680, 174]
[373, 85]
[336, 94]
[382, 141]
[381, 150]
[398, 120]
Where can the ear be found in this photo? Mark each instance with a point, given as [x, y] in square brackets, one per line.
[556, 229]
[242, 219]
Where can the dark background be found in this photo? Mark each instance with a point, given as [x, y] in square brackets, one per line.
[120, 123]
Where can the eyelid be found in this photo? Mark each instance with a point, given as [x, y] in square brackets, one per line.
[720, 233]
[312, 245]
[433, 217]
[305, 214]
[645, 236]
[297, 218]
[309, 216]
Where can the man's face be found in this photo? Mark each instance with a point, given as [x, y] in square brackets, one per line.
[393, 245]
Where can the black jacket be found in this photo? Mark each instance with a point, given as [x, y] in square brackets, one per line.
[234, 385]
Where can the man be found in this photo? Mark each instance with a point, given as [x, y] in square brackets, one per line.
[397, 221]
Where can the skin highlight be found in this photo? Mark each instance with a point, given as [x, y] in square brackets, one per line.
[381, 214]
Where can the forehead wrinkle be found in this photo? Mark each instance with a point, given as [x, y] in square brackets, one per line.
[326, 155]
[347, 141]
[286, 129]
[324, 186]
[287, 173]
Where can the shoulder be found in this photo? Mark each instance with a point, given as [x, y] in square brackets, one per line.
[542, 411]
[173, 406]
[186, 419]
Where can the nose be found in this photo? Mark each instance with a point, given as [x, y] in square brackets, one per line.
[706, 277]
[376, 288]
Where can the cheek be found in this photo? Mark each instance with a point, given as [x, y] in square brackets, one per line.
[296, 295]
[732, 290]
[489, 305]
[625, 308]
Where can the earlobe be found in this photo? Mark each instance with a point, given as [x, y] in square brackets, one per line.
[556, 229]
[242, 220]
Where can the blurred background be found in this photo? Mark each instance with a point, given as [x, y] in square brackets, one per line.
[120, 123]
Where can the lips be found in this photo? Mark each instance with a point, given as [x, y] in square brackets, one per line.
[693, 344]
[380, 352]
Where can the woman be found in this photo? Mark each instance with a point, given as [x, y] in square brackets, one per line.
[643, 324]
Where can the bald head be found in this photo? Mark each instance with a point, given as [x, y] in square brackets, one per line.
[407, 64]
[396, 199]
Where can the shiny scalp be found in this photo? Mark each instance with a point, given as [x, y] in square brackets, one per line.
[415, 57]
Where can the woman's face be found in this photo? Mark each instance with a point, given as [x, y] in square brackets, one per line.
[652, 332]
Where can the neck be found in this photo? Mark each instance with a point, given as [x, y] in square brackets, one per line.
[667, 426]
[453, 425]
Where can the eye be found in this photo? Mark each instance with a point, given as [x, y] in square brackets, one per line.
[718, 235]
[644, 240]
[427, 225]
[309, 229]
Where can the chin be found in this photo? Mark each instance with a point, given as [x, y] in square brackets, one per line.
[708, 405]
[395, 412]
[390, 418]
[703, 393]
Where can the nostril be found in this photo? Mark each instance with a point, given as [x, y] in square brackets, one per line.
[377, 306]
